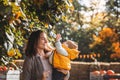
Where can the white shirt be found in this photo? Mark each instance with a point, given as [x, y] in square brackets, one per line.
[59, 49]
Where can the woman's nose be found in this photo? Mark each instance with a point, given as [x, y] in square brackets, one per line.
[46, 40]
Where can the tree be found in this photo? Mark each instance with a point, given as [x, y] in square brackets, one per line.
[73, 19]
[97, 21]
[106, 43]
[19, 18]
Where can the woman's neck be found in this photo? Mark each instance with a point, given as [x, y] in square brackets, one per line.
[41, 52]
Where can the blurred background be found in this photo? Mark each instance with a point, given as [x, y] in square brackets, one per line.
[93, 24]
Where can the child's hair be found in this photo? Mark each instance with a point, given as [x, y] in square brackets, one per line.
[71, 44]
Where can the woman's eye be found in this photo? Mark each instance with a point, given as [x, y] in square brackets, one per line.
[42, 38]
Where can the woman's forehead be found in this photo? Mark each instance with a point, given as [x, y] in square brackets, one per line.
[43, 35]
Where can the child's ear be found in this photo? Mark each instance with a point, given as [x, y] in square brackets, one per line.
[65, 44]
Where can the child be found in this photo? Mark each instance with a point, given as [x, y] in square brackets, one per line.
[61, 56]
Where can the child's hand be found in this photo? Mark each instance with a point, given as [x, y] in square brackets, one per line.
[58, 37]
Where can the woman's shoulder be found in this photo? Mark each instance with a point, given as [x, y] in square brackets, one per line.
[30, 58]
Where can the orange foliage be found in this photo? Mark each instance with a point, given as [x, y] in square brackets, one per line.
[116, 45]
[97, 39]
[115, 55]
[18, 14]
[107, 32]
[112, 36]
[116, 49]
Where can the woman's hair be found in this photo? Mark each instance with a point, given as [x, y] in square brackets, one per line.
[31, 47]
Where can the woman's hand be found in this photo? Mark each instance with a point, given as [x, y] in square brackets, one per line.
[45, 74]
[63, 71]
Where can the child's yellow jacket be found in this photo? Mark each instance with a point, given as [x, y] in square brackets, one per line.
[63, 62]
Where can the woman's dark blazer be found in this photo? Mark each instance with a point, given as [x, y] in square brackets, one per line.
[32, 68]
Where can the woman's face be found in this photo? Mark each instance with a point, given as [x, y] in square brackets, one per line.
[42, 41]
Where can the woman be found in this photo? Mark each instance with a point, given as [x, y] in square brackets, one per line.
[36, 66]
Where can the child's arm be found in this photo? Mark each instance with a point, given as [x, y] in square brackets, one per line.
[59, 47]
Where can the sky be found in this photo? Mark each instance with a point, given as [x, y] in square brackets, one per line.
[100, 4]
